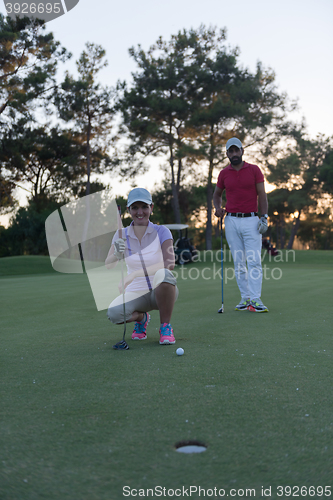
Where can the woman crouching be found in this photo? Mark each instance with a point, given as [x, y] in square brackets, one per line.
[149, 257]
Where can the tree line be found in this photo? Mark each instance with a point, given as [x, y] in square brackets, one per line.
[187, 97]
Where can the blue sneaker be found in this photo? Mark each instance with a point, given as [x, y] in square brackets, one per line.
[139, 332]
[166, 334]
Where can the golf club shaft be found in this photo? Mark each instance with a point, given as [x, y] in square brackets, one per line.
[222, 257]
[221, 310]
[120, 234]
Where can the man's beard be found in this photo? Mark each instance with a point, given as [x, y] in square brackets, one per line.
[236, 160]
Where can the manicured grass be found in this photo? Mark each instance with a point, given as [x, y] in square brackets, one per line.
[23, 265]
[81, 421]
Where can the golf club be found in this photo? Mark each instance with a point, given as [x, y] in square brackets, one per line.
[122, 345]
[221, 310]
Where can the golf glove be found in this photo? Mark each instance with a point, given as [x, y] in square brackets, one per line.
[119, 248]
[262, 225]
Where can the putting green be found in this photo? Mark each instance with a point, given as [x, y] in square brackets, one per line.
[82, 421]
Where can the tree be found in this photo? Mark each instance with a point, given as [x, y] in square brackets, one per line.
[157, 107]
[28, 64]
[192, 200]
[44, 159]
[7, 201]
[86, 106]
[326, 170]
[316, 231]
[231, 101]
[304, 175]
[26, 233]
[278, 211]
[188, 97]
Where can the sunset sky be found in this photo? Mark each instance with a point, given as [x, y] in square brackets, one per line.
[294, 38]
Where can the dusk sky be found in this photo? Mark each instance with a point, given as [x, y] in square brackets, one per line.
[294, 38]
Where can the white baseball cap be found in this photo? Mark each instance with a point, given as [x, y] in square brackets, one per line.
[139, 194]
[234, 142]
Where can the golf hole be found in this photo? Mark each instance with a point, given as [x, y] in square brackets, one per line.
[190, 447]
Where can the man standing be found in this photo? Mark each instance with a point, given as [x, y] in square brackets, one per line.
[244, 186]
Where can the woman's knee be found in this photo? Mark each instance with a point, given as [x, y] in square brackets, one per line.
[116, 314]
[164, 276]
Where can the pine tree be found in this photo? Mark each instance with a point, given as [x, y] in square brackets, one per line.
[87, 107]
[28, 62]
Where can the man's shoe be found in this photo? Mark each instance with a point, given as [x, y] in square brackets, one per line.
[257, 306]
[166, 334]
[242, 306]
[139, 332]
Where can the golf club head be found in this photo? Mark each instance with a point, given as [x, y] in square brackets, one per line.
[121, 346]
[221, 310]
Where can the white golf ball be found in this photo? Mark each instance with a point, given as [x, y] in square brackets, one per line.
[180, 351]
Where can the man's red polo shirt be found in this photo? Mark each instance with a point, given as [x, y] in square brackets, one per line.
[240, 187]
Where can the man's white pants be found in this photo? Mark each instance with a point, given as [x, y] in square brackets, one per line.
[245, 243]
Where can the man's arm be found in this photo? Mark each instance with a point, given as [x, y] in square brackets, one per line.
[262, 198]
[217, 200]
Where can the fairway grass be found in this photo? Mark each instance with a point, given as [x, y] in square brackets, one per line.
[80, 421]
